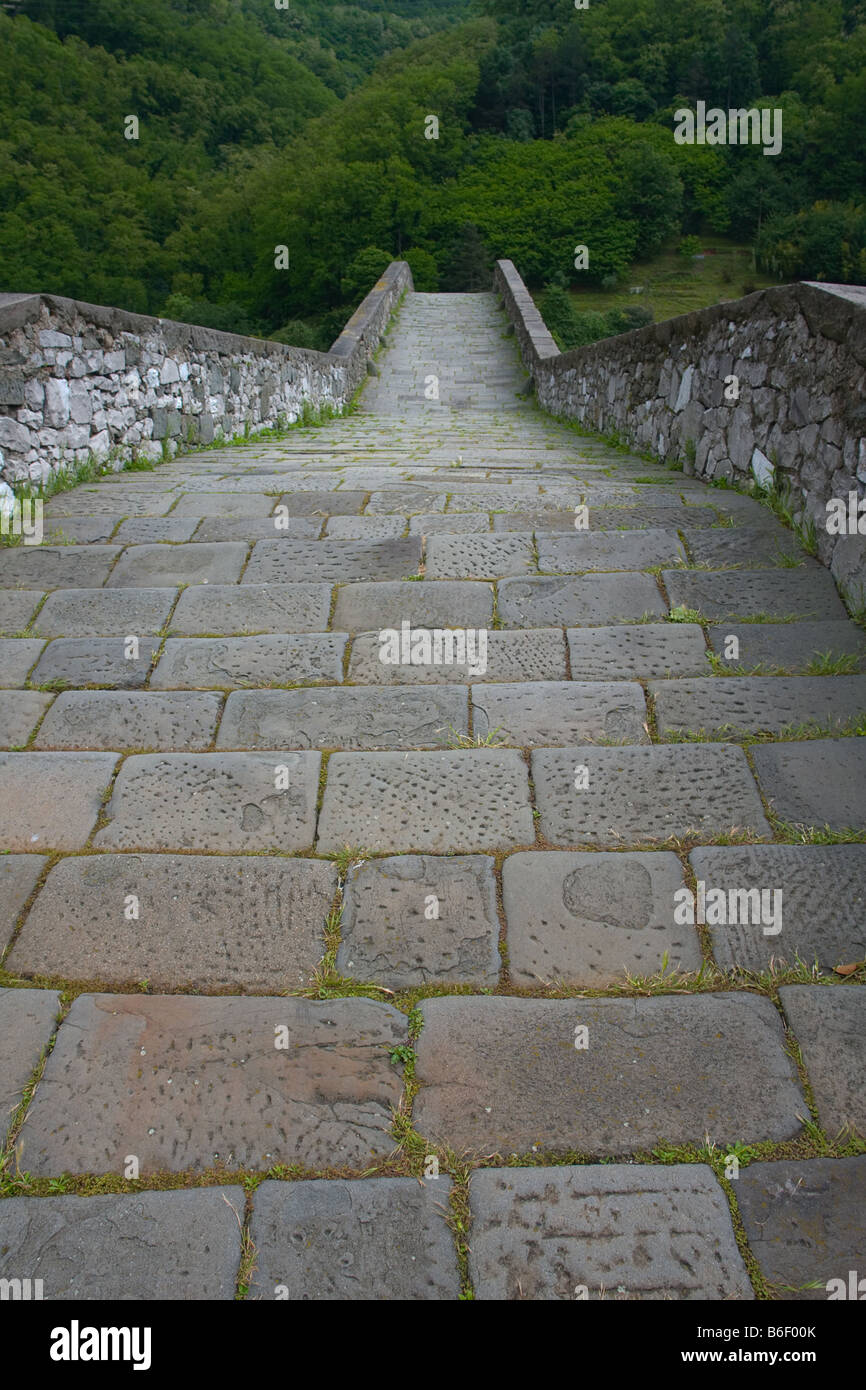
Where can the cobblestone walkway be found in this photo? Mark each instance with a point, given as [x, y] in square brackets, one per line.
[411, 890]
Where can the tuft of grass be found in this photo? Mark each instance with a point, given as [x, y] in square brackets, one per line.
[682, 614]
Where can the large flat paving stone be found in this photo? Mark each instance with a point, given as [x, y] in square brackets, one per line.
[224, 504]
[51, 800]
[821, 903]
[162, 566]
[19, 874]
[26, 1024]
[758, 704]
[452, 523]
[749, 547]
[17, 607]
[635, 795]
[183, 1245]
[815, 781]
[639, 650]
[405, 499]
[590, 918]
[250, 529]
[60, 567]
[240, 609]
[790, 647]
[345, 502]
[635, 550]
[228, 663]
[236, 1099]
[81, 530]
[20, 712]
[503, 1075]
[202, 922]
[384, 1238]
[332, 562]
[829, 1023]
[144, 530]
[535, 655]
[540, 522]
[365, 528]
[109, 501]
[596, 599]
[672, 517]
[17, 655]
[773, 594]
[608, 1231]
[213, 801]
[350, 717]
[105, 613]
[475, 799]
[532, 714]
[421, 919]
[165, 723]
[479, 557]
[806, 1223]
[83, 661]
[444, 604]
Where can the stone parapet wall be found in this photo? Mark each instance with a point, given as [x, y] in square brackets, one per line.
[796, 412]
[81, 380]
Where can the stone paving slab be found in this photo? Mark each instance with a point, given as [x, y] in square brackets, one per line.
[612, 1231]
[476, 799]
[375, 1240]
[51, 800]
[242, 609]
[228, 663]
[609, 550]
[540, 522]
[345, 717]
[19, 874]
[443, 604]
[452, 523]
[829, 1023]
[248, 529]
[332, 562]
[236, 1100]
[536, 655]
[99, 719]
[346, 502]
[534, 714]
[822, 908]
[183, 1245]
[80, 530]
[402, 498]
[225, 802]
[165, 566]
[147, 530]
[105, 612]
[109, 502]
[17, 607]
[84, 661]
[597, 599]
[790, 647]
[501, 1075]
[479, 557]
[806, 1223]
[778, 593]
[203, 923]
[677, 517]
[421, 919]
[639, 650]
[59, 567]
[757, 704]
[815, 782]
[20, 712]
[224, 504]
[26, 1024]
[365, 528]
[750, 547]
[587, 919]
[645, 795]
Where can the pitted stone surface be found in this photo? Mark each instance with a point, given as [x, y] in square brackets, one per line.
[444, 604]
[20, 712]
[146, 530]
[829, 1023]
[384, 1238]
[19, 874]
[345, 502]
[778, 593]
[636, 795]
[758, 704]
[452, 523]
[588, 919]
[637, 550]
[503, 1075]
[672, 517]
[26, 1024]
[332, 562]
[406, 500]
[534, 521]
[224, 504]
[642, 650]
[227, 663]
[51, 800]
[543, 713]
[349, 717]
[806, 1223]
[249, 529]
[365, 528]
[594, 600]
[17, 607]
[536, 655]
[183, 1245]
[109, 719]
[822, 907]
[235, 1099]
[815, 782]
[790, 647]
[105, 613]
[241, 609]
[80, 530]
[203, 923]
[615, 1231]
[479, 557]
[108, 501]
[213, 801]
[165, 566]
[749, 547]
[476, 799]
[63, 567]
[421, 919]
[96, 661]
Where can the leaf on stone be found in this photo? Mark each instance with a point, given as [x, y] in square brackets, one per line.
[849, 969]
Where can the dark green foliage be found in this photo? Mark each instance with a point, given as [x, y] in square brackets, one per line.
[572, 328]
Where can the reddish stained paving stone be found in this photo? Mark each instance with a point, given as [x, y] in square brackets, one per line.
[26, 1024]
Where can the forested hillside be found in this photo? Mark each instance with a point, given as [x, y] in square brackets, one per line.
[308, 128]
